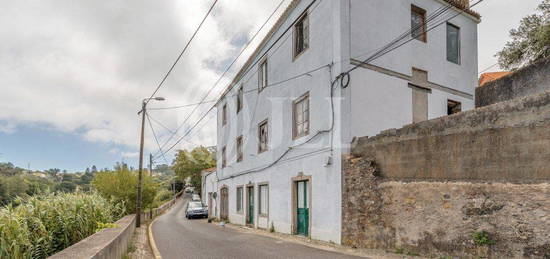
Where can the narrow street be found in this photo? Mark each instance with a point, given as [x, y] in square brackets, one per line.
[177, 237]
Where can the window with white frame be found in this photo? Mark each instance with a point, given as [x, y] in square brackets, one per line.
[453, 43]
[301, 35]
[262, 136]
[263, 192]
[239, 199]
[262, 75]
[300, 116]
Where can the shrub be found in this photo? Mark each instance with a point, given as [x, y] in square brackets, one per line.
[482, 238]
[44, 225]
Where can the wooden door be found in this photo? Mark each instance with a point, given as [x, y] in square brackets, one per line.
[224, 204]
[250, 205]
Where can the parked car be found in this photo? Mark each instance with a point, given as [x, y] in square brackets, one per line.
[189, 190]
[196, 197]
[196, 209]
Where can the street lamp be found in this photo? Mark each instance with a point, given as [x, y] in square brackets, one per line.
[138, 198]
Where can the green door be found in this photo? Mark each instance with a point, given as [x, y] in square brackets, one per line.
[302, 209]
[250, 214]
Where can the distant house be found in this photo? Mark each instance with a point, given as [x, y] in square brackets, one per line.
[491, 76]
[283, 126]
[209, 190]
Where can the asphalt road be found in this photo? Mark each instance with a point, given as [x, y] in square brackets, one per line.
[178, 237]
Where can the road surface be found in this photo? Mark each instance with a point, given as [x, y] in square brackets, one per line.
[177, 237]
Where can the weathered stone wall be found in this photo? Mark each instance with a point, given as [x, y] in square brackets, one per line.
[527, 81]
[472, 184]
[507, 141]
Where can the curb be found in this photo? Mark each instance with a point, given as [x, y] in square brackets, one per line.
[152, 243]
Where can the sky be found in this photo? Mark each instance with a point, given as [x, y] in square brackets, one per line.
[73, 73]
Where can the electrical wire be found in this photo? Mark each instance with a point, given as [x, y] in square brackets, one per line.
[155, 136]
[182, 52]
[223, 74]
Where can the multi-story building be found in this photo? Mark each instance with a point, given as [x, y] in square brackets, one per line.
[287, 118]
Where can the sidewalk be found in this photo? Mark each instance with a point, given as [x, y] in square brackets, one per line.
[367, 253]
[139, 247]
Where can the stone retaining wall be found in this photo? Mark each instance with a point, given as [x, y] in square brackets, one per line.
[474, 184]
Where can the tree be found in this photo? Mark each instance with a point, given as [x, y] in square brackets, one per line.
[190, 164]
[120, 186]
[530, 41]
[94, 169]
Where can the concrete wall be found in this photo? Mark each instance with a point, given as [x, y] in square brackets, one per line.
[431, 187]
[526, 81]
[110, 243]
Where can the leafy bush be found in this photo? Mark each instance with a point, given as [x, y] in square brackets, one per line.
[120, 186]
[44, 225]
[482, 238]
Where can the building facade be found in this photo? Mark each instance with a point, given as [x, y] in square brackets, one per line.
[287, 118]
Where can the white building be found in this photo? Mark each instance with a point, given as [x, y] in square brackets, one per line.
[209, 180]
[283, 127]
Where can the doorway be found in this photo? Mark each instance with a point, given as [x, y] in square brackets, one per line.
[224, 203]
[250, 205]
[302, 208]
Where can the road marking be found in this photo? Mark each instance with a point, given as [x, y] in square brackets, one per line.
[152, 243]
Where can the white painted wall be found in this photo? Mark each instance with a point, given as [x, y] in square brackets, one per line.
[210, 185]
[339, 29]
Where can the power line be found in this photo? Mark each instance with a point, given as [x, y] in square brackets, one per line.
[155, 135]
[223, 74]
[489, 67]
[183, 51]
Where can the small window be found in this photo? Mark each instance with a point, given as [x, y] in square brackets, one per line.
[240, 149]
[224, 115]
[418, 23]
[264, 200]
[240, 99]
[300, 115]
[240, 199]
[224, 159]
[262, 137]
[262, 75]
[301, 35]
[453, 43]
[453, 107]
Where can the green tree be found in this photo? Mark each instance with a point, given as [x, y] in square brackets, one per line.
[530, 41]
[190, 164]
[120, 186]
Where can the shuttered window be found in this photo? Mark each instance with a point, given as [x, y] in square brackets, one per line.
[240, 149]
[264, 200]
[239, 199]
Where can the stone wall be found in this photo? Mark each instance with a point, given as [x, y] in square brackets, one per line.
[526, 81]
[472, 184]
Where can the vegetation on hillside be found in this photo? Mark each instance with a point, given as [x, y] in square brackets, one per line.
[190, 164]
[530, 41]
[44, 225]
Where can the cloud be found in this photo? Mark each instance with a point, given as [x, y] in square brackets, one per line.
[84, 66]
[129, 154]
[7, 128]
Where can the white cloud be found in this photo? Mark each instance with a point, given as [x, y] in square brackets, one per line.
[83, 67]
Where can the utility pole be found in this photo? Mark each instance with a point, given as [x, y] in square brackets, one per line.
[150, 164]
[140, 171]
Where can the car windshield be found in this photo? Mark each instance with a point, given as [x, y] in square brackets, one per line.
[194, 205]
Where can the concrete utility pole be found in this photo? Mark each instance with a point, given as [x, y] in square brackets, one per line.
[140, 172]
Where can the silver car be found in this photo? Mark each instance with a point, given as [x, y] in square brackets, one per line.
[196, 197]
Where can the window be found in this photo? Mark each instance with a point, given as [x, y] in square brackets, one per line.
[264, 200]
[224, 114]
[262, 75]
[240, 99]
[262, 137]
[453, 43]
[301, 35]
[418, 23]
[453, 107]
[300, 116]
[240, 149]
[240, 199]
[224, 160]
